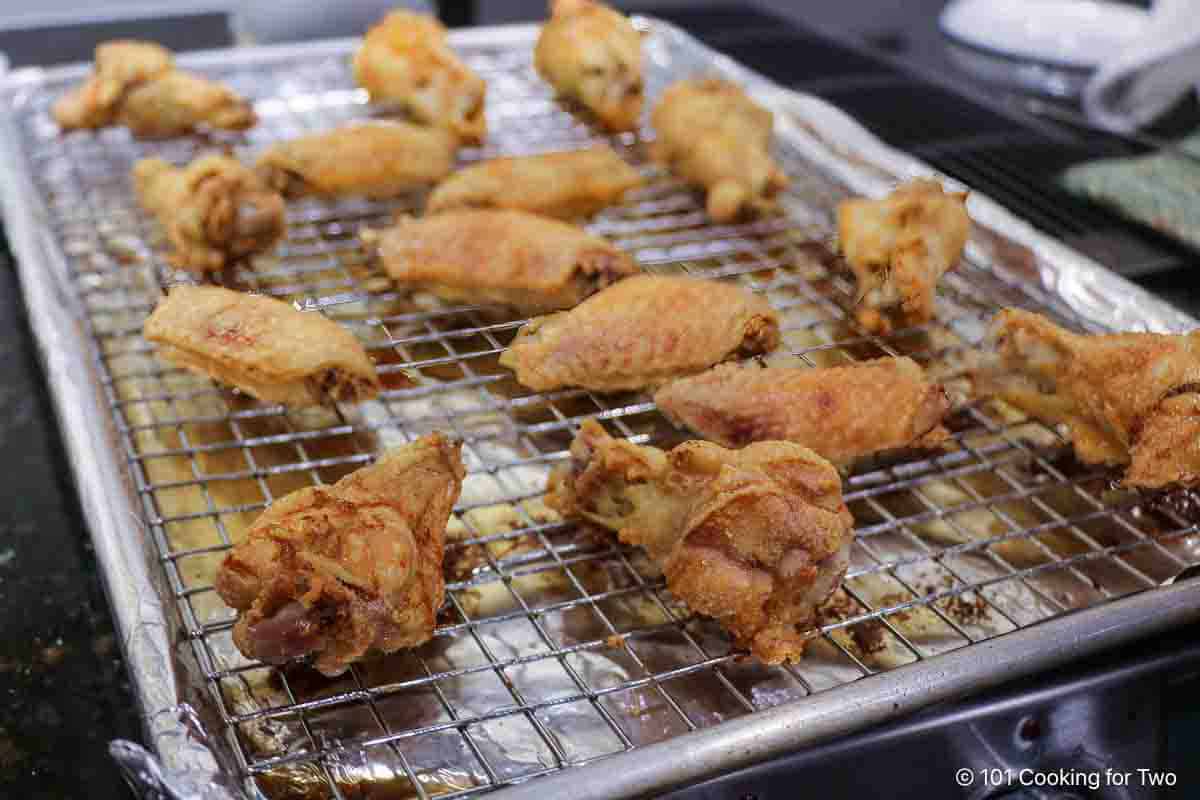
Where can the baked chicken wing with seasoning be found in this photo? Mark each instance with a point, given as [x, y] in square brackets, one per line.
[405, 60]
[263, 346]
[592, 54]
[513, 258]
[569, 184]
[339, 571]
[900, 246]
[136, 85]
[712, 134]
[1127, 399]
[642, 332]
[757, 538]
[840, 413]
[376, 159]
[214, 210]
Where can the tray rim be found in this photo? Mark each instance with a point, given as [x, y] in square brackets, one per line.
[145, 622]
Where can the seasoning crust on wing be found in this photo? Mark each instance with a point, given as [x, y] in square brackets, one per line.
[262, 346]
[641, 332]
[214, 210]
[712, 134]
[405, 60]
[339, 571]
[592, 54]
[756, 538]
[900, 246]
[376, 159]
[840, 413]
[135, 84]
[1126, 398]
[513, 258]
[569, 184]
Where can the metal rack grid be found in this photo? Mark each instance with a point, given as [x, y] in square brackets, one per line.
[557, 646]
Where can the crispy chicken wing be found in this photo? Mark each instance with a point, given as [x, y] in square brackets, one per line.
[570, 184]
[337, 571]
[214, 210]
[641, 332]
[136, 85]
[712, 134]
[1128, 398]
[405, 60]
[120, 65]
[756, 538]
[592, 54]
[513, 258]
[376, 159]
[841, 413]
[262, 346]
[900, 246]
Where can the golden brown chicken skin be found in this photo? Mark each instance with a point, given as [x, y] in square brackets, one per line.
[592, 54]
[136, 85]
[375, 159]
[512, 258]
[405, 60]
[339, 571]
[641, 332]
[567, 185]
[214, 210]
[1127, 399]
[756, 538]
[712, 134]
[900, 246]
[840, 413]
[263, 346]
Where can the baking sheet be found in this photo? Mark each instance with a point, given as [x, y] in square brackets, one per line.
[557, 648]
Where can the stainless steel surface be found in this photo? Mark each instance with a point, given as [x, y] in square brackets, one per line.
[557, 648]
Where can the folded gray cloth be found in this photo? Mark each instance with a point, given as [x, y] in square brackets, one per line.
[1161, 190]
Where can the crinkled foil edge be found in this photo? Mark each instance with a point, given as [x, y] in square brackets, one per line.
[185, 760]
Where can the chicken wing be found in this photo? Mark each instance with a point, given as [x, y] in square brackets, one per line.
[712, 134]
[513, 258]
[840, 413]
[120, 65]
[376, 159]
[262, 346]
[405, 60]
[756, 538]
[900, 246]
[136, 85]
[592, 54]
[641, 332]
[337, 571]
[570, 184]
[1127, 399]
[214, 210]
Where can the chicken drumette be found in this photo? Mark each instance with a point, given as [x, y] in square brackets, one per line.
[1127, 399]
[513, 258]
[641, 332]
[841, 413]
[135, 84]
[377, 159]
[338, 571]
[900, 246]
[405, 60]
[712, 134]
[214, 211]
[756, 538]
[592, 54]
[568, 184]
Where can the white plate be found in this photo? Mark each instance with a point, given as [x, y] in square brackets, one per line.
[1078, 34]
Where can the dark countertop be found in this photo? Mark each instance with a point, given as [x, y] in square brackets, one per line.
[65, 692]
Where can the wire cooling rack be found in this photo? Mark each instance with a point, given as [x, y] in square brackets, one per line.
[556, 646]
